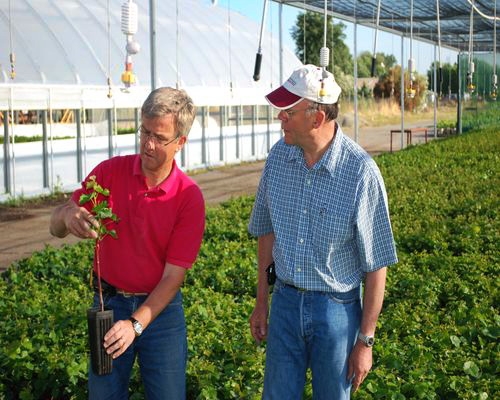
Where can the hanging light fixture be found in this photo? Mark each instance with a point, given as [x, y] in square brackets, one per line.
[410, 92]
[324, 53]
[471, 67]
[129, 26]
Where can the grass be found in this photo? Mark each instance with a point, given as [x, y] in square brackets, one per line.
[388, 112]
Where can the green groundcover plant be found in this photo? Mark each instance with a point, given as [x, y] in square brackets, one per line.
[438, 335]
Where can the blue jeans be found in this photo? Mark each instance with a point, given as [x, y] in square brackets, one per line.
[161, 351]
[313, 330]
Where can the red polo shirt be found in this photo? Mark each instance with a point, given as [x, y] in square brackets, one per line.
[156, 226]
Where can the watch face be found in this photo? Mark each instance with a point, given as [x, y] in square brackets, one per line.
[370, 341]
[138, 327]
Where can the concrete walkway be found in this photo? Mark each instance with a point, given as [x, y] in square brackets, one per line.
[20, 238]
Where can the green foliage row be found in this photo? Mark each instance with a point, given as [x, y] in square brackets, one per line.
[438, 335]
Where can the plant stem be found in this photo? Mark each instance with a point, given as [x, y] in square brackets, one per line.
[99, 284]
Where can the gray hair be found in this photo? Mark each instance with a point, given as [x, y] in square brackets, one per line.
[166, 100]
[331, 110]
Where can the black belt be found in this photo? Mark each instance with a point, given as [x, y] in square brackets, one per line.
[110, 290]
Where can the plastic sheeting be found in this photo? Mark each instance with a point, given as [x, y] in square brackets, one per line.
[65, 53]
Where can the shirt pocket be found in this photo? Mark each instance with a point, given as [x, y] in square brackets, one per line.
[331, 229]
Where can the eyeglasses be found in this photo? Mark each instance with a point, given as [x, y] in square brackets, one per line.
[154, 137]
[290, 113]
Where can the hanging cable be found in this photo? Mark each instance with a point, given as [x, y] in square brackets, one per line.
[494, 80]
[440, 67]
[324, 54]
[471, 67]
[411, 62]
[108, 27]
[304, 34]
[374, 56]
[12, 55]
[177, 71]
[229, 45]
[258, 57]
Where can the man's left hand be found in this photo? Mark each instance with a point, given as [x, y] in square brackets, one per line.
[360, 363]
[119, 338]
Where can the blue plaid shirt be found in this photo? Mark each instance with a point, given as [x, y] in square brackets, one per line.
[331, 222]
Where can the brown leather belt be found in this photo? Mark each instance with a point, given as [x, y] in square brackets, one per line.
[130, 294]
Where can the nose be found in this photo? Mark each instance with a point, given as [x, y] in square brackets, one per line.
[282, 116]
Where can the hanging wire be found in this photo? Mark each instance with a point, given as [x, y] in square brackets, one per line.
[229, 45]
[411, 62]
[108, 27]
[333, 41]
[304, 34]
[12, 55]
[470, 71]
[440, 67]
[374, 56]
[324, 54]
[494, 86]
[177, 44]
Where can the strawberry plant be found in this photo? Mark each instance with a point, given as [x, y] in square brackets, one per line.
[104, 215]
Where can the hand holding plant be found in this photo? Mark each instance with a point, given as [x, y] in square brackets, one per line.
[104, 216]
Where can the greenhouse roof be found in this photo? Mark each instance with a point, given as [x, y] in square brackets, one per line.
[206, 49]
[395, 15]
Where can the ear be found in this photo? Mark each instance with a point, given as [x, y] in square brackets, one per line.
[319, 118]
[180, 143]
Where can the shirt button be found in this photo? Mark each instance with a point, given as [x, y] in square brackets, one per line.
[308, 181]
[304, 211]
[145, 195]
[301, 240]
[299, 269]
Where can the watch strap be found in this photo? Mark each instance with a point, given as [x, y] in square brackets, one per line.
[369, 341]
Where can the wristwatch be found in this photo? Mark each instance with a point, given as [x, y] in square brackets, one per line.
[367, 340]
[138, 328]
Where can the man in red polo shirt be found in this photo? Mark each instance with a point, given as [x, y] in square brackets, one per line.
[161, 222]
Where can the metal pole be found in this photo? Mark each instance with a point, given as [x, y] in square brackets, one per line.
[203, 137]
[110, 132]
[136, 126]
[79, 169]
[152, 37]
[435, 91]
[221, 133]
[45, 150]
[253, 131]
[459, 96]
[281, 40]
[356, 133]
[6, 152]
[402, 95]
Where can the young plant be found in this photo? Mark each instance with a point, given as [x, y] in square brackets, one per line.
[104, 216]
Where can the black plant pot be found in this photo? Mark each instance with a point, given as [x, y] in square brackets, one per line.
[99, 322]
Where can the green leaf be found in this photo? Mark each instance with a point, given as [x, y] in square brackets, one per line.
[85, 198]
[471, 368]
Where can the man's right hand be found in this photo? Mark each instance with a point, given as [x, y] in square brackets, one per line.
[71, 218]
[258, 323]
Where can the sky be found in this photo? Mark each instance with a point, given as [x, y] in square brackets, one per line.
[423, 53]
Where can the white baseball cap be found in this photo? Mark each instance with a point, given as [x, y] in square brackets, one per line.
[307, 82]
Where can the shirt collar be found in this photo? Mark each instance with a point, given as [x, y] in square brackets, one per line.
[165, 185]
[329, 159]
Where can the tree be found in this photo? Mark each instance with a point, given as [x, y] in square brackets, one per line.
[448, 84]
[383, 63]
[390, 86]
[308, 50]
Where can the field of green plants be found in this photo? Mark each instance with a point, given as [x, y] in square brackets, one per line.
[438, 335]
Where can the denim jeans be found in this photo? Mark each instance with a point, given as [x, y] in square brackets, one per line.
[161, 351]
[313, 330]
